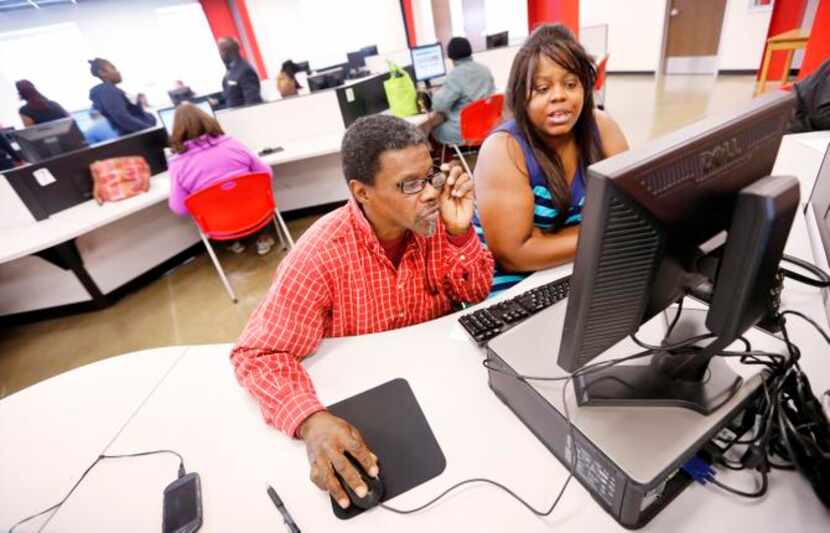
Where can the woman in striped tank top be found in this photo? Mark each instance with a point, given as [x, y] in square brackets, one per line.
[530, 175]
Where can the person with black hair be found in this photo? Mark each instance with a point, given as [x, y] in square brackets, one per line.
[400, 252]
[467, 82]
[287, 83]
[38, 108]
[124, 116]
[240, 84]
[530, 173]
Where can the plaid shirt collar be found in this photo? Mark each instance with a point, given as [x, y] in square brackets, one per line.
[366, 233]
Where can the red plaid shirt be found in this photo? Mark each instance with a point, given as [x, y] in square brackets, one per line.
[337, 282]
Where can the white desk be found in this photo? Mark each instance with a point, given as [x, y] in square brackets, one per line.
[99, 248]
[200, 411]
[309, 171]
[54, 430]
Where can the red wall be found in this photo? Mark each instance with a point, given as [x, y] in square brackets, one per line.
[786, 15]
[818, 47]
[564, 11]
[409, 20]
[221, 23]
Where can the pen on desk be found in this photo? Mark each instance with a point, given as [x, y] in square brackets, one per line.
[289, 522]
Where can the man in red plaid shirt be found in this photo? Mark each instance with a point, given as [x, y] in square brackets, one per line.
[402, 251]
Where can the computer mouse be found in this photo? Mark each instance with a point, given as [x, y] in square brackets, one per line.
[373, 484]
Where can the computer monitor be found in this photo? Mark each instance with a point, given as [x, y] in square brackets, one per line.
[496, 40]
[167, 114]
[50, 139]
[428, 61]
[356, 60]
[317, 82]
[653, 231]
[180, 94]
[369, 50]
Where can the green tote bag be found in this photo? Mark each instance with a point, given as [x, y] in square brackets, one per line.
[400, 92]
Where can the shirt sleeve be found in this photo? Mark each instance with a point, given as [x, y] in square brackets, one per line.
[177, 192]
[114, 105]
[446, 97]
[255, 164]
[286, 327]
[465, 267]
[249, 82]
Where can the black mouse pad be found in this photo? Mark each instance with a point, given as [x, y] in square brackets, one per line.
[395, 429]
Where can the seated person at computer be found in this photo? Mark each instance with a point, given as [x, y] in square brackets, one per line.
[38, 108]
[530, 174]
[467, 82]
[402, 251]
[124, 116]
[287, 83]
[240, 84]
[204, 156]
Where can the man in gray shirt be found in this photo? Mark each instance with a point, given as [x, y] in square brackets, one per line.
[467, 82]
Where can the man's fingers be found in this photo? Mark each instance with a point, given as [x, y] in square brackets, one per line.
[336, 490]
[349, 474]
[367, 459]
[463, 186]
[318, 476]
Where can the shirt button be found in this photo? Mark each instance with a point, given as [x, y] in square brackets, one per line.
[403, 314]
[463, 257]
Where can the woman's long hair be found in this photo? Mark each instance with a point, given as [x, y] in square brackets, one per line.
[31, 95]
[190, 123]
[558, 44]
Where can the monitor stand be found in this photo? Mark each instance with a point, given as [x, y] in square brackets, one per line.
[692, 378]
[628, 456]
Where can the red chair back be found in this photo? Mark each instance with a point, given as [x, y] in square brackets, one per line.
[600, 81]
[233, 208]
[479, 117]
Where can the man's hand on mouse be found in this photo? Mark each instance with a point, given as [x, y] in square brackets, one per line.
[326, 438]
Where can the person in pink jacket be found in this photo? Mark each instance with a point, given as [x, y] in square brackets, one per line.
[204, 156]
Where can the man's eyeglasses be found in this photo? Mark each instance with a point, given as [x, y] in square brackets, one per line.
[436, 178]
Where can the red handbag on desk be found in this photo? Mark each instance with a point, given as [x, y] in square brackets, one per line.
[119, 178]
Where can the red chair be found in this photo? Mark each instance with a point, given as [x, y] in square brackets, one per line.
[599, 84]
[477, 120]
[235, 208]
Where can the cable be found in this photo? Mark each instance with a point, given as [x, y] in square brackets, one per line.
[810, 320]
[90, 467]
[823, 278]
[762, 490]
[574, 453]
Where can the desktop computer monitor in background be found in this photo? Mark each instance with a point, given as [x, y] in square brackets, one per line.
[496, 40]
[369, 50]
[357, 60]
[693, 212]
[50, 139]
[428, 61]
[167, 114]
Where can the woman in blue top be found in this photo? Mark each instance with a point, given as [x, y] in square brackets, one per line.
[530, 174]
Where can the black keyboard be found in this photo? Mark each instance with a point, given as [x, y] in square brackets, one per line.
[484, 324]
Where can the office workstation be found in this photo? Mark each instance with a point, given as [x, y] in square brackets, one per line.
[628, 335]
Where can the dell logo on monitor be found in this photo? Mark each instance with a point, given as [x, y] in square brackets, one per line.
[719, 156]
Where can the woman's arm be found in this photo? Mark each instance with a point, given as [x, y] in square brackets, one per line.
[27, 120]
[505, 204]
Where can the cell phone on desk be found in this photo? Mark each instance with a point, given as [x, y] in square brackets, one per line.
[183, 505]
